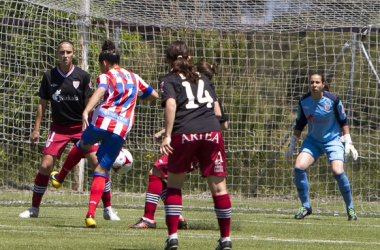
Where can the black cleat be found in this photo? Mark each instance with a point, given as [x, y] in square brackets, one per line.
[171, 244]
[182, 224]
[302, 213]
[351, 214]
[226, 245]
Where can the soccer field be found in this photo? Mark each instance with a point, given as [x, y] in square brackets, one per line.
[63, 227]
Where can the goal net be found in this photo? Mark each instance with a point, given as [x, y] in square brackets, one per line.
[265, 51]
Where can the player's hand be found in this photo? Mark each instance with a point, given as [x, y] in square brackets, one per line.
[165, 147]
[34, 137]
[289, 151]
[348, 147]
[84, 121]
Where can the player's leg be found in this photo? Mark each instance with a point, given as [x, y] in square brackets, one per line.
[212, 162]
[108, 213]
[106, 154]
[41, 182]
[73, 158]
[152, 196]
[335, 152]
[222, 207]
[173, 207]
[303, 161]
[309, 153]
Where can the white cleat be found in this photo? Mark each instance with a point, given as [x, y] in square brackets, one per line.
[31, 212]
[110, 214]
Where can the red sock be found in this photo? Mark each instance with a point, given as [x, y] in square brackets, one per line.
[106, 196]
[173, 209]
[152, 196]
[97, 189]
[222, 205]
[73, 158]
[40, 185]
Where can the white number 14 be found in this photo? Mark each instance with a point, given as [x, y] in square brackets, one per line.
[201, 90]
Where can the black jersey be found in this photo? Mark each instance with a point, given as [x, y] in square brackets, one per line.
[195, 103]
[66, 94]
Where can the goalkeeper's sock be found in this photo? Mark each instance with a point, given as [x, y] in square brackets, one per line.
[97, 189]
[345, 190]
[73, 158]
[300, 179]
[40, 185]
[152, 196]
[106, 196]
[222, 207]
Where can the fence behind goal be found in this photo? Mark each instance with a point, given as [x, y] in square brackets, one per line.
[265, 51]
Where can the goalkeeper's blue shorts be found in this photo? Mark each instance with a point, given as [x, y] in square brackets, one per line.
[333, 149]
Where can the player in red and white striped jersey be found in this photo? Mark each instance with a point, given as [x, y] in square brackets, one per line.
[116, 113]
[111, 121]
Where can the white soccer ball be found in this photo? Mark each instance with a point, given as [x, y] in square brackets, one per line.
[123, 162]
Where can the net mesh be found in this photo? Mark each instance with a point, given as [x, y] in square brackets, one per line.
[265, 51]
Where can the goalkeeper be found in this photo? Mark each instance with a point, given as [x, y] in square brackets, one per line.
[324, 114]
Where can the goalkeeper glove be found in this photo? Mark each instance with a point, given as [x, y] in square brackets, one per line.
[290, 149]
[349, 147]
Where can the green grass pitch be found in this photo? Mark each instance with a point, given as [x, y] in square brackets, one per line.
[63, 227]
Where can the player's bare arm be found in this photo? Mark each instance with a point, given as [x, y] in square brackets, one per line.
[170, 109]
[217, 110]
[41, 108]
[99, 93]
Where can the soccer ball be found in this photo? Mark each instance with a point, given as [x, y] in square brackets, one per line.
[123, 162]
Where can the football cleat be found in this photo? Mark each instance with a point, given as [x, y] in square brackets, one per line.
[182, 224]
[225, 245]
[302, 213]
[171, 244]
[143, 224]
[31, 212]
[57, 183]
[90, 222]
[110, 214]
[351, 214]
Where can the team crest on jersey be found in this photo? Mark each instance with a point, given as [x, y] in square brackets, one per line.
[76, 84]
[327, 107]
[54, 85]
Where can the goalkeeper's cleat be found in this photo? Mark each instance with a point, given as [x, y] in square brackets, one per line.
[90, 222]
[351, 214]
[225, 245]
[182, 224]
[31, 212]
[57, 183]
[143, 224]
[302, 213]
[110, 214]
[171, 244]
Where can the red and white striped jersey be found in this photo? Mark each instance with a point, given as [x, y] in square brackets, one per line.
[117, 111]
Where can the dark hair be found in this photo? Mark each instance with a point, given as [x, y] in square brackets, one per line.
[178, 54]
[65, 41]
[209, 70]
[327, 86]
[109, 53]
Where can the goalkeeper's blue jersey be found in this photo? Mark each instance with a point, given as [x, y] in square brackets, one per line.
[324, 117]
